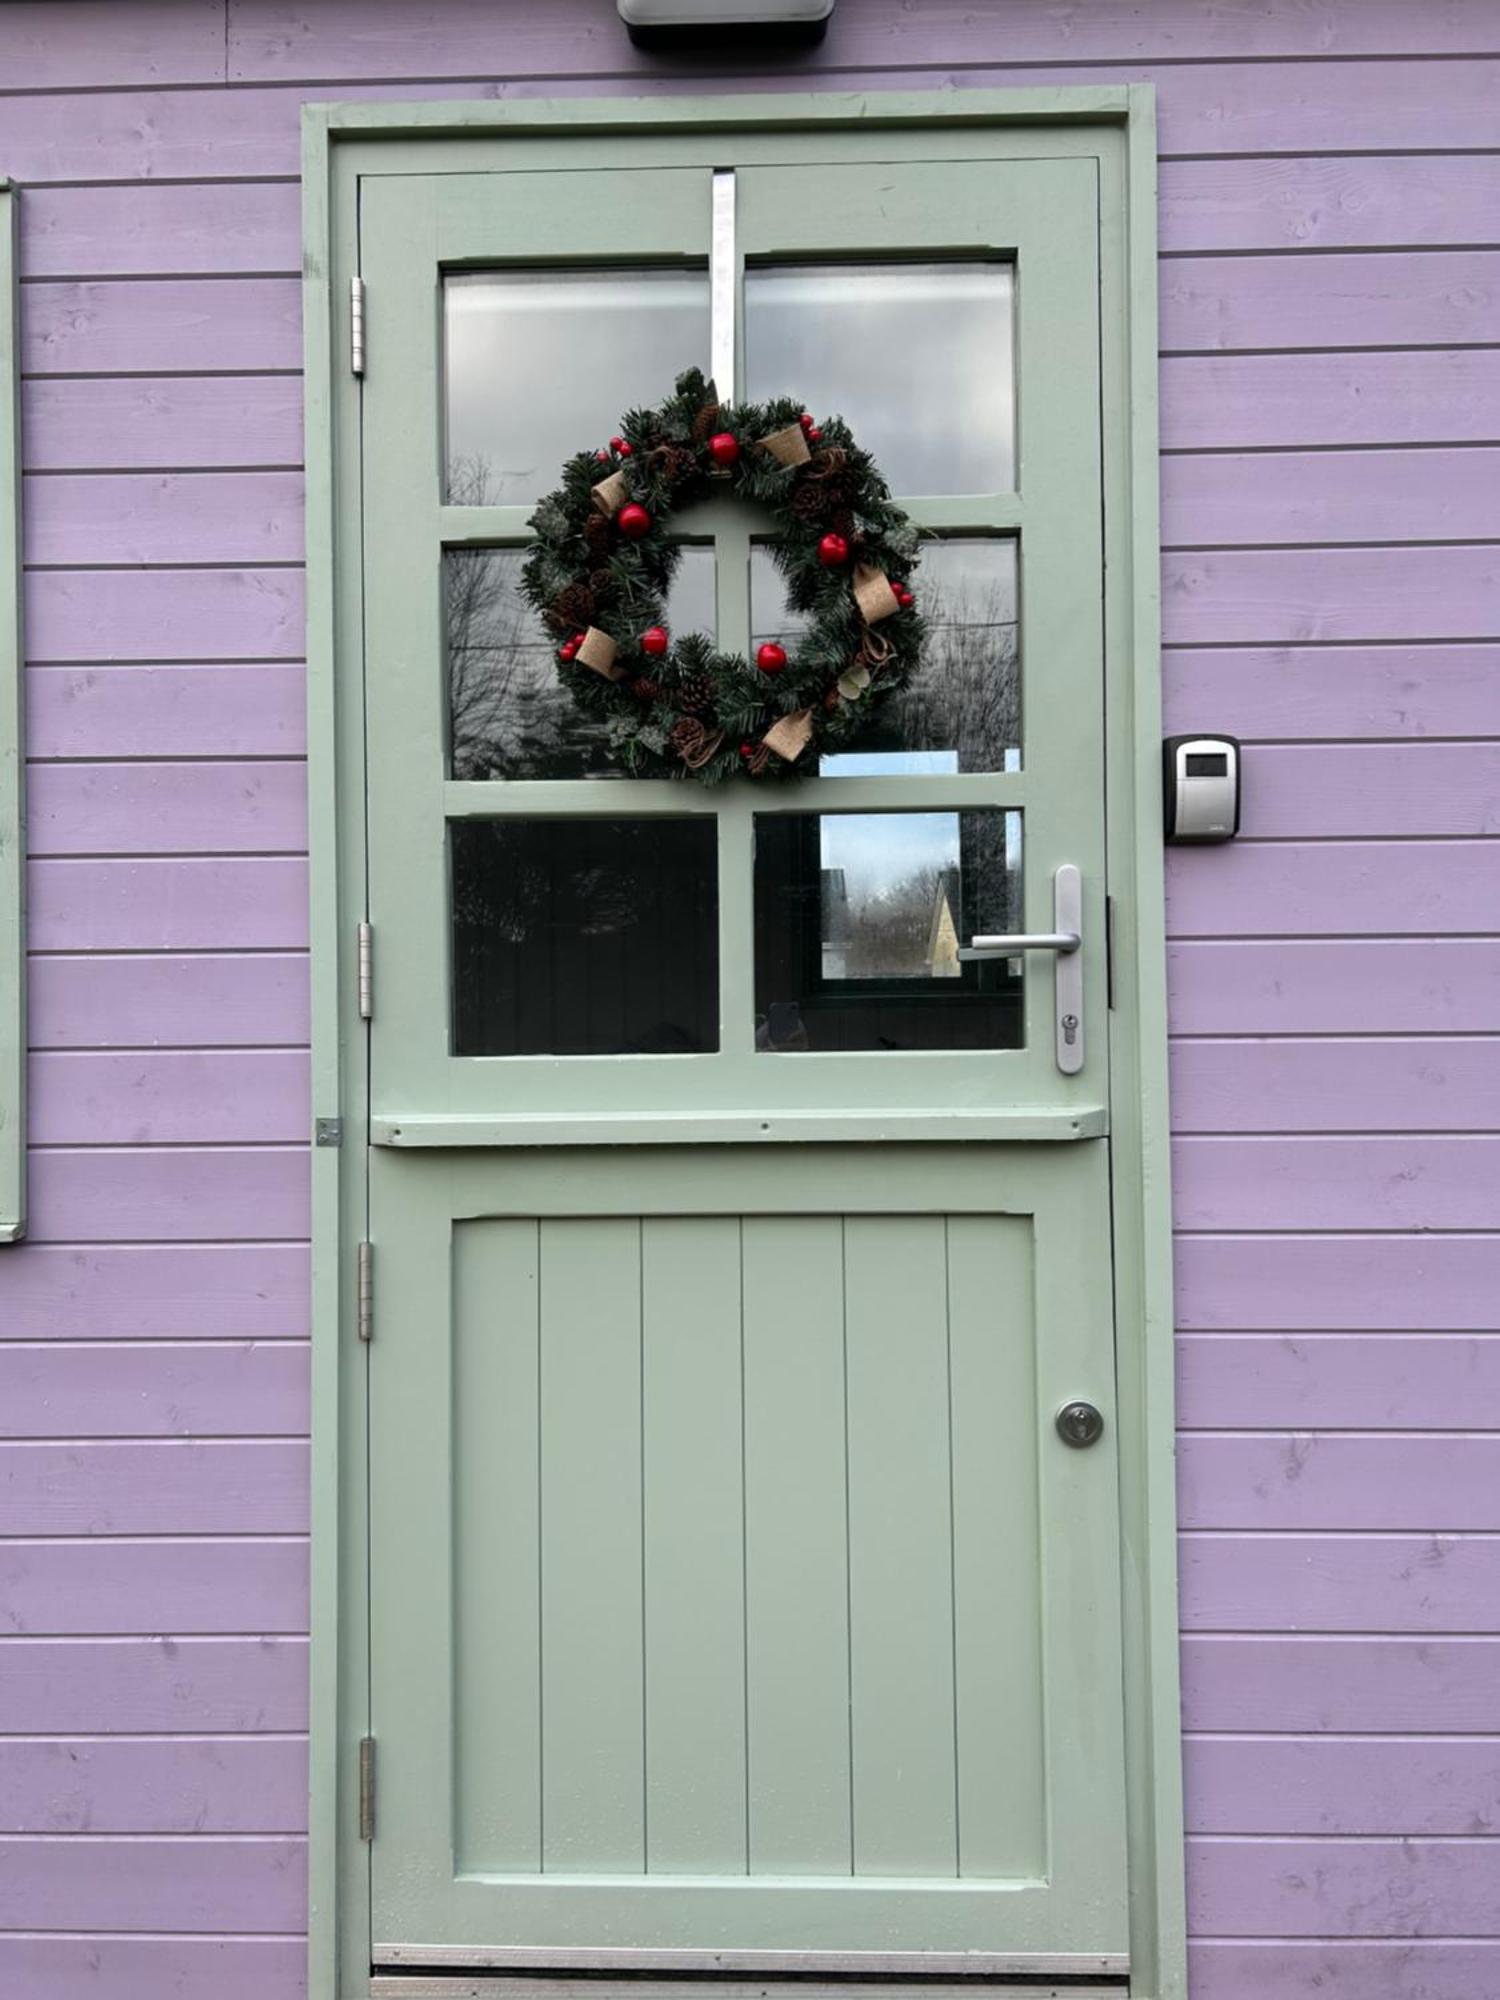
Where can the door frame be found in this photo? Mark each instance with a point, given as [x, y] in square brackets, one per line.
[1115, 125]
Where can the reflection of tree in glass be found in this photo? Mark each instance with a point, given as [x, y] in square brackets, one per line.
[508, 715]
[911, 927]
[967, 694]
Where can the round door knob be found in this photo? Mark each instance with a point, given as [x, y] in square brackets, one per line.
[1079, 1424]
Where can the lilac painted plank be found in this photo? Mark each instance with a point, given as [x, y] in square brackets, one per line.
[1338, 1283]
[1223, 402]
[1365, 202]
[1316, 1480]
[1293, 596]
[225, 1785]
[341, 39]
[165, 614]
[1365, 1381]
[1378, 887]
[1446, 1084]
[1448, 986]
[258, 806]
[1379, 1683]
[1367, 1182]
[197, 1585]
[1327, 496]
[182, 711]
[167, 1002]
[168, 905]
[1203, 109]
[185, 421]
[160, 1487]
[163, 325]
[1426, 1785]
[99, 42]
[152, 230]
[154, 1291]
[1341, 1969]
[154, 1885]
[1340, 1583]
[1334, 691]
[1400, 788]
[187, 1194]
[61, 1967]
[1345, 1888]
[153, 1389]
[215, 517]
[59, 1687]
[1440, 299]
[146, 1097]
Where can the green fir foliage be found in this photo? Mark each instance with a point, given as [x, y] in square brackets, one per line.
[669, 709]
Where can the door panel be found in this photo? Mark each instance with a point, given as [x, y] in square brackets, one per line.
[775, 1595]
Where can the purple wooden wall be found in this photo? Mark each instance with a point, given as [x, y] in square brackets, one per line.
[1331, 423]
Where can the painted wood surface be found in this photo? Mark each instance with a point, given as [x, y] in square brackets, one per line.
[1330, 408]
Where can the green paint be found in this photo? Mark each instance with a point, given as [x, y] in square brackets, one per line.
[1106, 136]
[12, 752]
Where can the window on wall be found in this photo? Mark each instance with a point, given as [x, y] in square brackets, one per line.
[12, 752]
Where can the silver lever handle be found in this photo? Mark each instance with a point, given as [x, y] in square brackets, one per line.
[1067, 914]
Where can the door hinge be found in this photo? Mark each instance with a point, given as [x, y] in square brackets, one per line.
[365, 1291]
[1109, 951]
[367, 1788]
[357, 326]
[366, 973]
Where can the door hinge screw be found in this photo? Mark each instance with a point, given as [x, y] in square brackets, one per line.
[367, 1788]
[365, 1311]
[366, 973]
[357, 325]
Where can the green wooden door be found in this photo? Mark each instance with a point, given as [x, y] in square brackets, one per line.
[734, 1598]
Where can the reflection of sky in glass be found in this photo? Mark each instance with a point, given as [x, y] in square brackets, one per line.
[539, 364]
[963, 710]
[878, 850]
[846, 338]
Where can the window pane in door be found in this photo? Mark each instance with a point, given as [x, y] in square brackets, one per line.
[917, 357]
[585, 937]
[539, 363]
[859, 918]
[509, 716]
[962, 711]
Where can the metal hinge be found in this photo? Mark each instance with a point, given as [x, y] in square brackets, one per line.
[357, 325]
[367, 1788]
[1109, 951]
[365, 1292]
[366, 973]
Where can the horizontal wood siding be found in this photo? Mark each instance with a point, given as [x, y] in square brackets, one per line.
[1330, 292]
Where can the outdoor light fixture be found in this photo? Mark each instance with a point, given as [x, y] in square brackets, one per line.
[694, 23]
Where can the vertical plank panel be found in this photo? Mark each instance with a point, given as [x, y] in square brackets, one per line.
[796, 1547]
[694, 1556]
[593, 1750]
[900, 1546]
[996, 1538]
[496, 1498]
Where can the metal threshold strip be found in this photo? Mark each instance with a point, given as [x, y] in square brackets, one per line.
[536, 1964]
[594, 1986]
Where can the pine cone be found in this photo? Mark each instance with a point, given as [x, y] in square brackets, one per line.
[572, 608]
[673, 464]
[644, 688]
[705, 423]
[694, 743]
[599, 533]
[694, 694]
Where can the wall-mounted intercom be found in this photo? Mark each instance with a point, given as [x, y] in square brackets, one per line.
[1202, 780]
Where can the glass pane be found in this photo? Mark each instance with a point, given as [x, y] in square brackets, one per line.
[843, 338]
[509, 716]
[962, 712]
[585, 937]
[858, 922]
[539, 364]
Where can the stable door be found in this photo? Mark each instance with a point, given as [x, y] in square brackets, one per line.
[744, 1561]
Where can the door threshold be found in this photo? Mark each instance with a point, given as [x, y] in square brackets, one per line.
[694, 1986]
[541, 1962]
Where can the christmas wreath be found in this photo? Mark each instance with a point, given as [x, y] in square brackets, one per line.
[603, 562]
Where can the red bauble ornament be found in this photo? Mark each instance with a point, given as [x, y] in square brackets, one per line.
[601, 456]
[633, 521]
[771, 658]
[724, 448]
[903, 596]
[832, 551]
[813, 435]
[806, 421]
[654, 641]
[747, 750]
[568, 650]
[621, 449]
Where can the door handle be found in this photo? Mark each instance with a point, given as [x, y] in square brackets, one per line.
[1066, 941]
